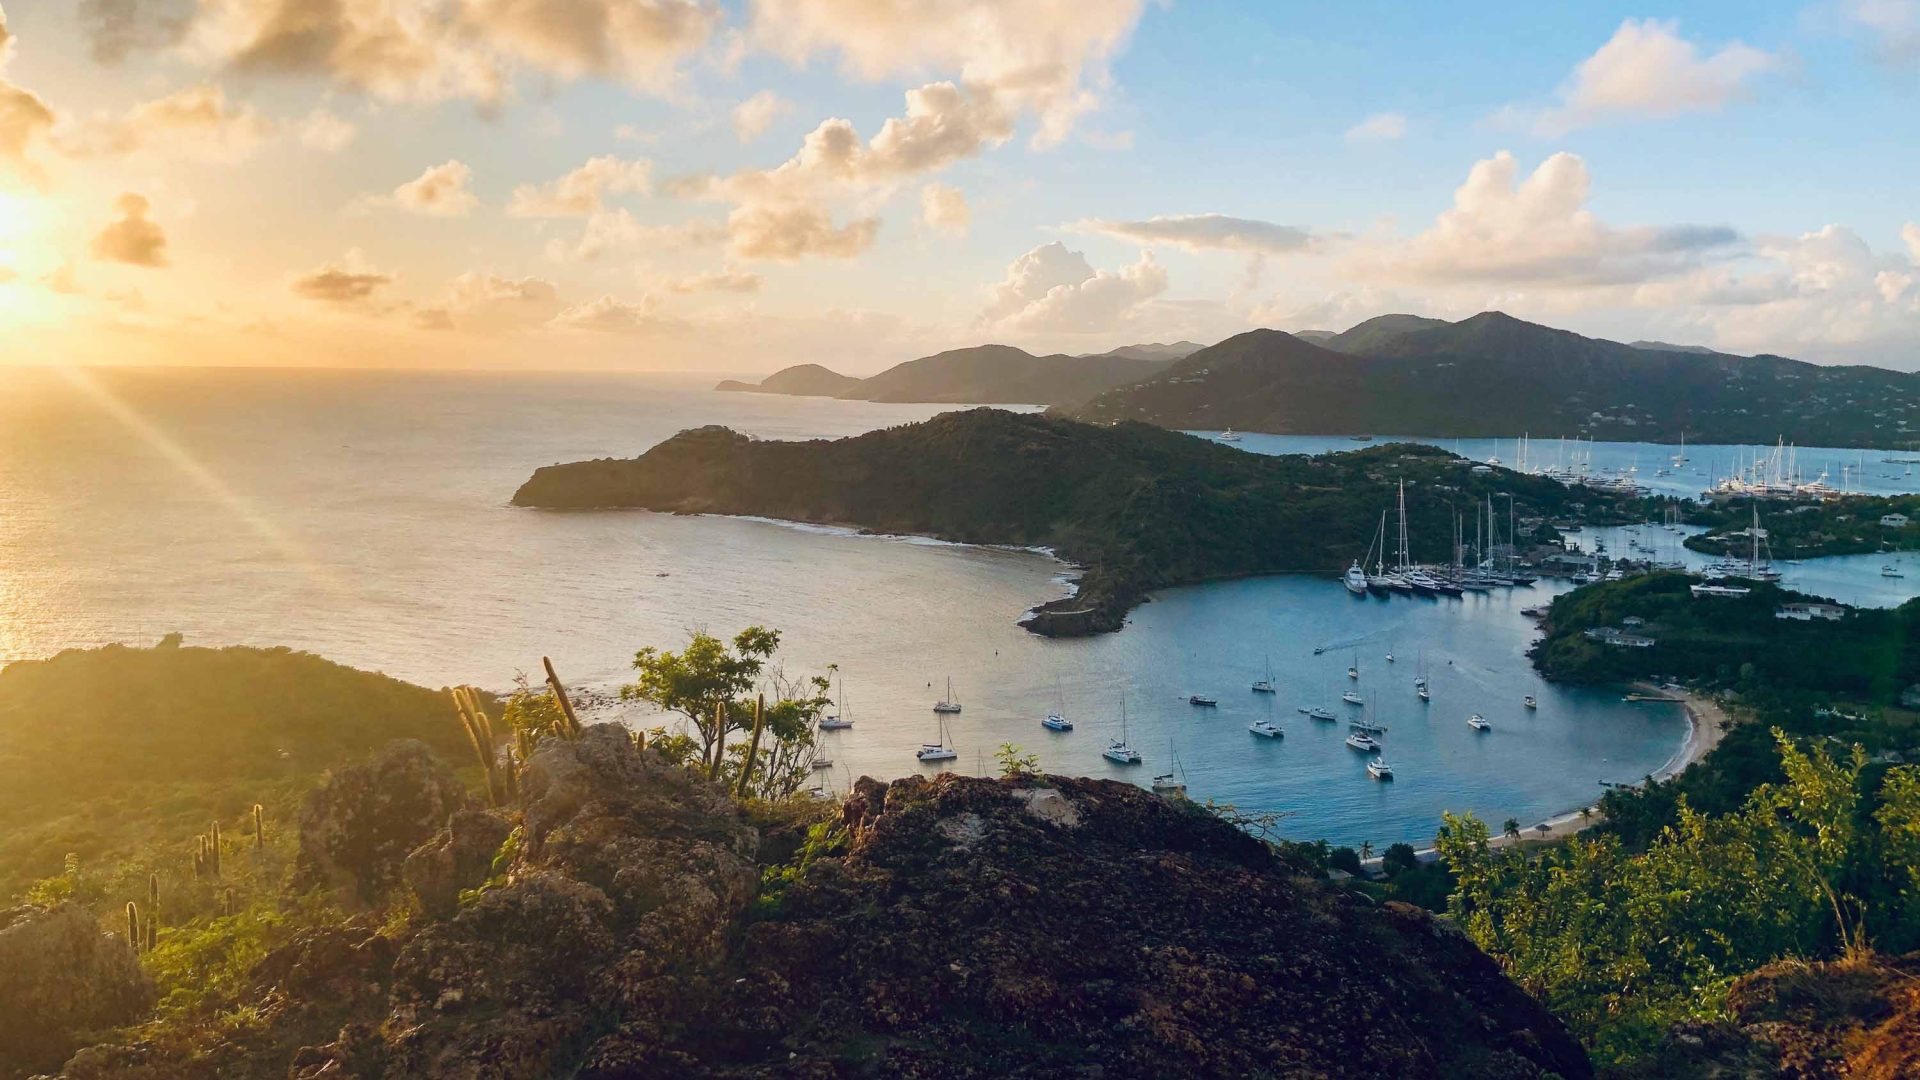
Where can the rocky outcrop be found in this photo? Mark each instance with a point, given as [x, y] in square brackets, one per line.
[61, 976]
[357, 830]
[1798, 1021]
[461, 857]
[949, 928]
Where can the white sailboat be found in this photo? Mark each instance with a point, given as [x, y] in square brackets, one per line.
[1265, 685]
[1173, 785]
[938, 751]
[1119, 749]
[841, 718]
[950, 703]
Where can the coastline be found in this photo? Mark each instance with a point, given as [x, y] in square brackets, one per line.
[1706, 726]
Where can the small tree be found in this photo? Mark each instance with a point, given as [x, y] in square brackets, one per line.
[1366, 849]
[1015, 764]
[1398, 857]
[704, 683]
[1510, 828]
[1346, 859]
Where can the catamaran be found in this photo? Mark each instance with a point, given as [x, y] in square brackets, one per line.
[1478, 723]
[1056, 722]
[1379, 769]
[1352, 697]
[1266, 729]
[938, 751]
[950, 703]
[1363, 742]
[1317, 712]
[1119, 749]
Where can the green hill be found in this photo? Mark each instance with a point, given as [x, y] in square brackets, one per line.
[1004, 375]
[109, 750]
[800, 380]
[1493, 374]
[1139, 507]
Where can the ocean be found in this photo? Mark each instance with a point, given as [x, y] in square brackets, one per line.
[364, 516]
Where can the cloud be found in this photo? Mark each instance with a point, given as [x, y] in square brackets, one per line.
[441, 191]
[608, 316]
[435, 50]
[197, 119]
[752, 117]
[1910, 233]
[726, 280]
[1049, 57]
[133, 238]
[488, 303]
[777, 233]
[117, 28]
[944, 208]
[1648, 70]
[581, 193]
[1380, 127]
[1201, 232]
[325, 132]
[1535, 232]
[616, 230]
[352, 284]
[783, 213]
[639, 41]
[24, 118]
[1891, 26]
[1053, 290]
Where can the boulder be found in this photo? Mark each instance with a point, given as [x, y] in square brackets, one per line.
[357, 830]
[60, 976]
[461, 857]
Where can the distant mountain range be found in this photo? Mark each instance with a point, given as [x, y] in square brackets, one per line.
[981, 375]
[1494, 374]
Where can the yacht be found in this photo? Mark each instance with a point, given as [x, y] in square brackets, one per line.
[948, 704]
[1423, 693]
[1355, 579]
[1229, 435]
[1710, 589]
[1379, 769]
[1056, 722]
[1479, 723]
[1202, 700]
[1389, 656]
[821, 764]
[841, 718]
[1530, 702]
[1119, 749]
[1317, 713]
[1266, 729]
[1891, 570]
[1363, 742]
[1352, 697]
[1353, 670]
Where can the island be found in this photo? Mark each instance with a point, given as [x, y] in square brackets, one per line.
[800, 380]
[1137, 507]
[1495, 375]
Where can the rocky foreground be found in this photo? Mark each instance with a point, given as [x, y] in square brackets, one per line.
[624, 923]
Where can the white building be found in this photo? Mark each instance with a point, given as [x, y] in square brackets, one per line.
[1810, 612]
[1895, 521]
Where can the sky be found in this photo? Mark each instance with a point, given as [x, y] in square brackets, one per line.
[696, 185]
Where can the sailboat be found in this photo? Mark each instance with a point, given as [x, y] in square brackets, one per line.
[1119, 749]
[841, 718]
[1265, 727]
[1169, 784]
[950, 703]
[1420, 680]
[1265, 686]
[938, 751]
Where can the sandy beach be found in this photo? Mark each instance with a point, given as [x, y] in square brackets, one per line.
[1706, 726]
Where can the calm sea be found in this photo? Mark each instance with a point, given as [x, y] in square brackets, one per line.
[364, 516]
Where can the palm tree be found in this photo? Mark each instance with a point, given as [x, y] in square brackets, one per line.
[1511, 828]
[1586, 813]
[1366, 849]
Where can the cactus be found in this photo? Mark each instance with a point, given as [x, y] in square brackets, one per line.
[200, 858]
[213, 848]
[153, 931]
[560, 695]
[153, 892]
[133, 925]
[753, 745]
[480, 735]
[719, 739]
[226, 901]
[259, 826]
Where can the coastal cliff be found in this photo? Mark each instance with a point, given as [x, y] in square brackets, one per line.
[637, 922]
[1137, 507]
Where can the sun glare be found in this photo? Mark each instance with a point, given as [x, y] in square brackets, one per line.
[18, 216]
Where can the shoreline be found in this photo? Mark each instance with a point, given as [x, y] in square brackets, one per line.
[1706, 726]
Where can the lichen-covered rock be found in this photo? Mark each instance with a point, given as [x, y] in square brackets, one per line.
[459, 858]
[61, 976]
[1847, 1020]
[357, 830]
[1070, 927]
